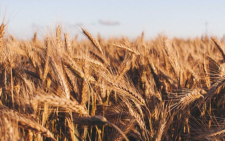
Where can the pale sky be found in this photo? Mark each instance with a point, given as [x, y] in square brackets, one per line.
[178, 18]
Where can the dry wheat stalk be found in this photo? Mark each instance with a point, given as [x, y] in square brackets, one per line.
[125, 68]
[35, 38]
[213, 89]
[59, 73]
[2, 28]
[162, 123]
[94, 41]
[215, 70]
[185, 98]
[134, 114]
[128, 92]
[64, 103]
[58, 36]
[125, 47]
[72, 79]
[99, 57]
[85, 94]
[72, 131]
[26, 122]
[46, 67]
[162, 126]
[68, 44]
[92, 62]
[73, 66]
[218, 45]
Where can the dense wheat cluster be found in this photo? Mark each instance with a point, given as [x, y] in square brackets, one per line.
[115, 89]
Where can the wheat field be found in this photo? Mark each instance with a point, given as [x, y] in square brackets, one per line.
[111, 89]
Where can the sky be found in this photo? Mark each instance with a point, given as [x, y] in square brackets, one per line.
[115, 18]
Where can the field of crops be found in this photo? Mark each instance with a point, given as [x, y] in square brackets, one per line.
[111, 89]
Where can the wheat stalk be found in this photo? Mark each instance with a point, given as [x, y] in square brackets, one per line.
[185, 99]
[25, 122]
[64, 103]
[68, 44]
[2, 32]
[125, 47]
[94, 41]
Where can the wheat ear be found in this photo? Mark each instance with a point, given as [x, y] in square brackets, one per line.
[2, 27]
[94, 41]
[64, 103]
[26, 122]
[218, 45]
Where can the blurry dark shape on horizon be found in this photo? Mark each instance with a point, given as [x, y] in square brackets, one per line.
[109, 23]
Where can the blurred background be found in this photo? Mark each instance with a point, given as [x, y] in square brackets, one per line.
[115, 18]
